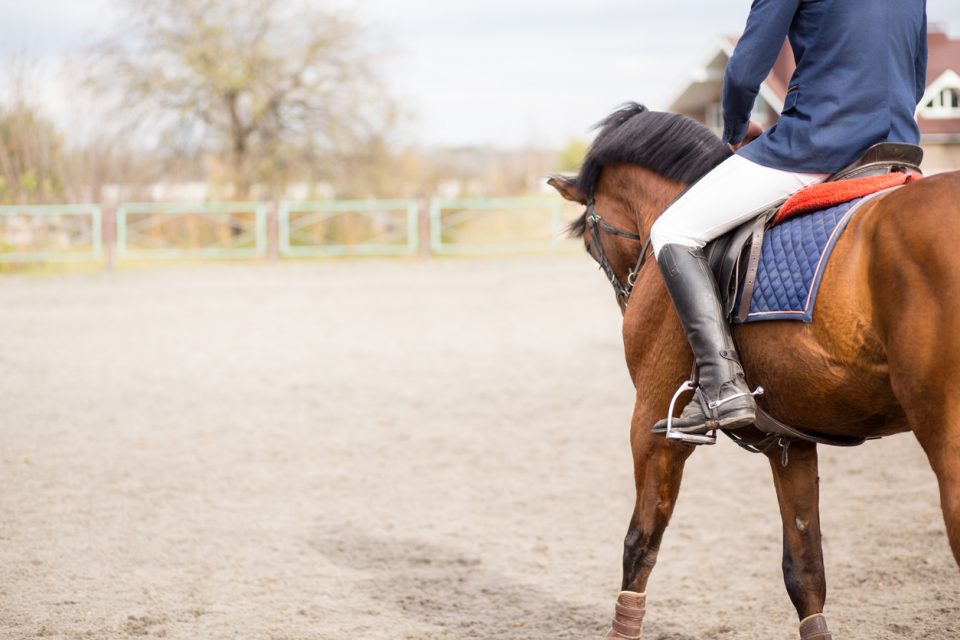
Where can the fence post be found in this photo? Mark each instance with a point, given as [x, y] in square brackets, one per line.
[424, 229]
[273, 232]
[109, 231]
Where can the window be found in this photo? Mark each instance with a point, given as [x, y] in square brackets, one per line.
[942, 99]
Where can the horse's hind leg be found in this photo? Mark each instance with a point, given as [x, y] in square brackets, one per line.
[942, 446]
[798, 493]
[925, 375]
[658, 469]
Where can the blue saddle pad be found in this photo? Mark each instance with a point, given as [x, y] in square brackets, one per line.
[793, 260]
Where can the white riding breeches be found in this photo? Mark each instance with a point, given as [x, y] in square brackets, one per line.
[736, 191]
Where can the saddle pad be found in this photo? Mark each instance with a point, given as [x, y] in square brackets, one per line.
[827, 194]
[792, 261]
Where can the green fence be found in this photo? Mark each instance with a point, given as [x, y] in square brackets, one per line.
[51, 233]
[348, 227]
[181, 231]
[165, 231]
[465, 226]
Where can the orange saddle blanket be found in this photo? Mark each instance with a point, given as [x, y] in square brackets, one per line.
[829, 194]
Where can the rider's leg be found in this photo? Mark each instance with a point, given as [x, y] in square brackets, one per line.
[736, 191]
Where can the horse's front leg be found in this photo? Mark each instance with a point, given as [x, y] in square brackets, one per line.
[658, 469]
[798, 493]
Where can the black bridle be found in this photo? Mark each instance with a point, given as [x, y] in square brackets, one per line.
[595, 223]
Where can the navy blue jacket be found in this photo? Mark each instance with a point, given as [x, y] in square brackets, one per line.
[861, 70]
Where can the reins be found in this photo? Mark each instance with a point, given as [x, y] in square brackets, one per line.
[595, 223]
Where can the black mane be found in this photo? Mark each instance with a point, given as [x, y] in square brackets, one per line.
[675, 146]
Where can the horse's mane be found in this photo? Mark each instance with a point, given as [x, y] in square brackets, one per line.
[675, 146]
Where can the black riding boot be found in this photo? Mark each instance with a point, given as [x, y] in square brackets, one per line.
[722, 399]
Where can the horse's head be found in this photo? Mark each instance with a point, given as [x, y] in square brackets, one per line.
[639, 162]
[614, 238]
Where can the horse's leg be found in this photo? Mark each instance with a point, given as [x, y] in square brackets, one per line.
[797, 486]
[943, 451]
[658, 469]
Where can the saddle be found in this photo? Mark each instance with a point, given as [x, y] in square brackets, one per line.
[735, 259]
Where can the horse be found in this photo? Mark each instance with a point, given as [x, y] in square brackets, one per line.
[881, 357]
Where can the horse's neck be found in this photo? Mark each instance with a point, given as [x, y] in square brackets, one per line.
[656, 351]
[645, 194]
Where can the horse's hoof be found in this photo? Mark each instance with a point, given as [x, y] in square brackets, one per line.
[814, 628]
[628, 616]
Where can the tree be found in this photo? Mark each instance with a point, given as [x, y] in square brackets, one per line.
[30, 158]
[31, 162]
[270, 86]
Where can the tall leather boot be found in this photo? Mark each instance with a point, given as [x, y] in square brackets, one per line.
[721, 399]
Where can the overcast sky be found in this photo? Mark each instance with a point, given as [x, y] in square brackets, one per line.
[503, 72]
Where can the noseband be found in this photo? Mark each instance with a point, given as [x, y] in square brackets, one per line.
[595, 224]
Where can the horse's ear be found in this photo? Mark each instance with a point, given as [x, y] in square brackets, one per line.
[567, 186]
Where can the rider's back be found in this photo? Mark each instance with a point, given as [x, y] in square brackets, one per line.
[860, 73]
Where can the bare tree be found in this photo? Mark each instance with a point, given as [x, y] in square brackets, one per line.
[270, 86]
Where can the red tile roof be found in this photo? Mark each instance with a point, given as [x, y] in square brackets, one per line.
[943, 54]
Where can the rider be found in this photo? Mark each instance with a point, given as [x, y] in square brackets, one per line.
[861, 67]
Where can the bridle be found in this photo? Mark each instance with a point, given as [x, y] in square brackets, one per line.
[595, 223]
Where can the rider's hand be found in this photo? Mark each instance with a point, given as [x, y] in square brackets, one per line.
[754, 131]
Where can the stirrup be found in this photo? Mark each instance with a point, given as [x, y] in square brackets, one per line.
[689, 438]
[697, 438]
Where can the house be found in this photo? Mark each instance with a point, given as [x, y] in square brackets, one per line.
[938, 113]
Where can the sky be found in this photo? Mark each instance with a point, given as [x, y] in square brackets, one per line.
[505, 73]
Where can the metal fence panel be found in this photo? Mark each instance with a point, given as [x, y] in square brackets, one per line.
[348, 227]
[499, 225]
[165, 231]
[51, 233]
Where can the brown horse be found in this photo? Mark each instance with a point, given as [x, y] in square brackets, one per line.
[881, 357]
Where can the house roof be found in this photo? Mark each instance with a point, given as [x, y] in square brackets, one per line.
[943, 53]
[707, 82]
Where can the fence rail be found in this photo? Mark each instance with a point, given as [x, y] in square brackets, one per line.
[348, 227]
[176, 231]
[247, 230]
[51, 233]
[461, 226]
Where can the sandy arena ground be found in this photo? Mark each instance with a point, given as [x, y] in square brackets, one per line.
[393, 450]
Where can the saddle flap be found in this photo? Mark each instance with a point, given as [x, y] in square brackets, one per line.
[729, 256]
